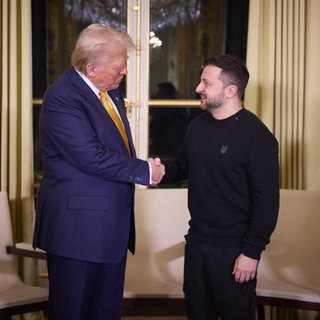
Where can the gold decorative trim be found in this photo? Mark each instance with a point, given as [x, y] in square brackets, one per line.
[37, 101]
[174, 103]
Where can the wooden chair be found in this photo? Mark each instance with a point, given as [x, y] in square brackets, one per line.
[16, 297]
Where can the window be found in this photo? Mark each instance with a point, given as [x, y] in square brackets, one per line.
[175, 37]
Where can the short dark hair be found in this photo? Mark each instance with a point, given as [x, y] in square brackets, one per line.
[234, 71]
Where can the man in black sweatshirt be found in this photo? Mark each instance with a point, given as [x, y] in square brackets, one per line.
[231, 160]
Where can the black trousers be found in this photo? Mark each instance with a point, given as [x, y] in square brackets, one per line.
[80, 290]
[209, 286]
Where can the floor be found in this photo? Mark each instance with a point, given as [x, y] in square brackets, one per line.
[155, 318]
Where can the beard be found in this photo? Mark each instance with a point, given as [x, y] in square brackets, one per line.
[213, 104]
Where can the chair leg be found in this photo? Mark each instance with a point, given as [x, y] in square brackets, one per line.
[260, 312]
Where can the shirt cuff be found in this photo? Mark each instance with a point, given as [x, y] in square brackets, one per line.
[150, 173]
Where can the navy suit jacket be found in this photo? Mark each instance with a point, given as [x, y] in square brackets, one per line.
[85, 204]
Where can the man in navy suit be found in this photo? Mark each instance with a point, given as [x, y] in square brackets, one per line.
[85, 206]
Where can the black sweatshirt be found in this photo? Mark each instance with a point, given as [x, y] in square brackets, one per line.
[233, 171]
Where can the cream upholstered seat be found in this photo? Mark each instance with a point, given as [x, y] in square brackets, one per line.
[16, 297]
[289, 270]
[288, 273]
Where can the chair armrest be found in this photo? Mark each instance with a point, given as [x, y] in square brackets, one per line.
[26, 250]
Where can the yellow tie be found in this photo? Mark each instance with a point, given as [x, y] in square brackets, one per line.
[116, 119]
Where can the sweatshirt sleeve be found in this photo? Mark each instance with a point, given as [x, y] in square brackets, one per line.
[262, 167]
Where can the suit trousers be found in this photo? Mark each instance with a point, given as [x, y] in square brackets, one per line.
[211, 291]
[81, 290]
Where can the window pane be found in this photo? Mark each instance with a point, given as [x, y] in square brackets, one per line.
[182, 36]
[184, 33]
[37, 165]
[167, 126]
[65, 20]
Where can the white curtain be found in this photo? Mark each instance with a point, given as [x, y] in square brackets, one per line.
[312, 96]
[16, 120]
[16, 125]
[283, 60]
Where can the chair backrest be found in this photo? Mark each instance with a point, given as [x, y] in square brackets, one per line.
[16, 297]
[289, 268]
[5, 226]
[8, 272]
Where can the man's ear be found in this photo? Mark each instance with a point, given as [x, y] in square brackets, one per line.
[90, 70]
[231, 91]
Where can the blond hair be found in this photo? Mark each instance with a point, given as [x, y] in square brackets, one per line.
[92, 43]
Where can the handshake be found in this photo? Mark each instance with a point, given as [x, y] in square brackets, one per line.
[158, 171]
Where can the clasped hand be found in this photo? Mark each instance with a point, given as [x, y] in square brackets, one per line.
[158, 171]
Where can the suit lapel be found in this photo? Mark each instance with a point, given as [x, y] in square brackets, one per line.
[117, 98]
